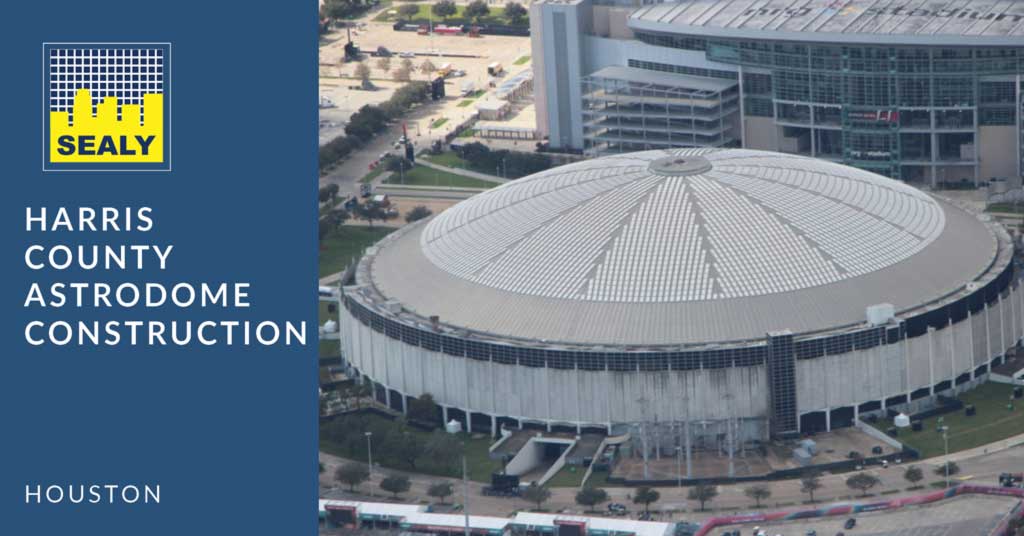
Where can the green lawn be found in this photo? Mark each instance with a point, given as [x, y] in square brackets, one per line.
[424, 176]
[330, 348]
[478, 464]
[568, 477]
[447, 158]
[521, 60]
[1005, 207]
[992, 423]
[439, 123]
[496, 16]
[598, 479]
[373, 174]
[465, 103]
[450, 159]
[343, 246]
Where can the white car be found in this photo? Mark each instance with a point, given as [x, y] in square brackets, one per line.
[406, 54]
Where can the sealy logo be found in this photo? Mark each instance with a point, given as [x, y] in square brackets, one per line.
[107, 107]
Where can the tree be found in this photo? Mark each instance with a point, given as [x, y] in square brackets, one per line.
[953, 469]
[809, 483]
[323, 229]
[417, 213]
[515, 12]
[362, 72]
[323, 195]
[366, 123]
[342, 9]
[384, 64]
[337, 217]
[536, 494]
[591, 497]
[427, 67]
[443, 448]
[913, 474]
[395, 484]
[441, 490]
[402, 74]
[408, 11]
[862, 482]
[759, 493]
[645, 496]
[444, 9]
[423, 408]
[702, 493]
[408, 447]
[476, 10]
[352, 474]
[370, 212]
[395, 164]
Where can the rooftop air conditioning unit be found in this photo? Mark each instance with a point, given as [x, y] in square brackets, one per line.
[880, 314]
[393, 306]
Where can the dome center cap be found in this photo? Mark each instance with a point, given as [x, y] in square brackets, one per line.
[679, 166]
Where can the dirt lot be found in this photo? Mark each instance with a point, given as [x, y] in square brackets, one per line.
[471, 55]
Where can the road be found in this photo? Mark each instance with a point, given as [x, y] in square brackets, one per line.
[978, 468]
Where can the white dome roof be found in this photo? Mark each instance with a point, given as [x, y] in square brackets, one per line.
[683, 225]
[640, 249]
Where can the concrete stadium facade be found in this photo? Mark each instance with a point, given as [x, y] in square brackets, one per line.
[505, 333]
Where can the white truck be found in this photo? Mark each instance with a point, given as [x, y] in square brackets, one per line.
[468, 87]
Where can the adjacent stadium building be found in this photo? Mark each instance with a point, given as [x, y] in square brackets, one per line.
[927, 91]
[771, 292]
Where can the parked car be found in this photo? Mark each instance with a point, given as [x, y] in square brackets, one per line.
[850, 523]
[406, 54]
[618, 509]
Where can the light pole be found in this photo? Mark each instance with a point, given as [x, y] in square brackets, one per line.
[465, 491]
[945, 444]
[679, 467]
[369, 458]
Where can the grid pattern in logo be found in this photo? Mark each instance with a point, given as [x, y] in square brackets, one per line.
[127, 74]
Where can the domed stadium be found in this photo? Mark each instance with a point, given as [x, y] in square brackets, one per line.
[779, 293]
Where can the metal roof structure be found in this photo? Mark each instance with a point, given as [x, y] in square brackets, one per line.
[512, 83]
[682, 247]
[948, 22]
[671, 80]
[601, 524]
[745, 224]
[374, 509]
[415, 516]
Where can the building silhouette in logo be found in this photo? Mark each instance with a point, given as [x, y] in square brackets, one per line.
[107, 107]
